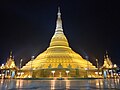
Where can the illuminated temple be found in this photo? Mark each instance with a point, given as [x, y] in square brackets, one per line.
[9, 69]
[107, 62]
[58, 57]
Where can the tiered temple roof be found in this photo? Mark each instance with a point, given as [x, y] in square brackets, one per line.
[10, 64]
[107, 62]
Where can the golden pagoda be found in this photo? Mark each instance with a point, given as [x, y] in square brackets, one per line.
[9, 69]
[10, 64]
[108, 63]
[58, 55]
[108, 67]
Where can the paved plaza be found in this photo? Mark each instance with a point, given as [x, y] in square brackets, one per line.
[85, 84]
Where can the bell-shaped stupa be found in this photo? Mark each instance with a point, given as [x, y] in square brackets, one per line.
[58, 54]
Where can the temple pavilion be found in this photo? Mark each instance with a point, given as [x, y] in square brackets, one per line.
[9, 69]
[109, 69]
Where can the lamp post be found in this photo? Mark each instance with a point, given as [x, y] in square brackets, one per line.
[53, 72]
[21, 63]
[18, 74]
[32, 58]
[97, 65]
[115, 67]
[86, 72]
[20, 66]
[2, 67]
[111, 73]
[97, 62]
[67, 73]
[100, 73]
[87, 68]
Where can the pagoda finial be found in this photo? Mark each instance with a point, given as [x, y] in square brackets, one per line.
[59, 14]
[59, 21]
[10, 54]
[106, 54]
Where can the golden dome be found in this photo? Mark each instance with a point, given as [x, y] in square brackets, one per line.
[59, 39]
[58, 53]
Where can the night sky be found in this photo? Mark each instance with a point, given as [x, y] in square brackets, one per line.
[91, 27]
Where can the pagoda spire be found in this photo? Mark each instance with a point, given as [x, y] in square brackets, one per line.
[10, 54]
[106, 54]
[59, 21]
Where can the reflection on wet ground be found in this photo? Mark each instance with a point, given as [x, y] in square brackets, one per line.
[90, 84]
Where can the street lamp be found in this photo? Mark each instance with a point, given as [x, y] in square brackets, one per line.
[21, 63]
[111, 73]
[53, 73]
[2, 66]
[97, 65]
[22, 73]
[96, 73]
[18, 74]
[100, 73]
[87, 68]
[32, 58]
[86, 72]
[67, 73]
[20, 66]
[97, 62]
[2, 71]
[115, 66]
